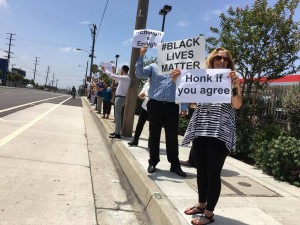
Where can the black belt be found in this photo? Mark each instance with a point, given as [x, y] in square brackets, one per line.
[162, 102]
[120, 96]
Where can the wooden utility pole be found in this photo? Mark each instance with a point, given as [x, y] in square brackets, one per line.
[48, 70]
[140, 23]
[35, 64]
[52, 79]
[93, 31]
[8, 57]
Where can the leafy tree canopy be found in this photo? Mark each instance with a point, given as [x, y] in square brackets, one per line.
[263, 40]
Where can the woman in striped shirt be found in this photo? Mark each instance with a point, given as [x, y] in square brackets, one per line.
[212, 131]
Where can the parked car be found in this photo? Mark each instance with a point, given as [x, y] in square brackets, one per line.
[29, 86]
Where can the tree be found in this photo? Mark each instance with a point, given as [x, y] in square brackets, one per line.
[264, 41]
[95, 68]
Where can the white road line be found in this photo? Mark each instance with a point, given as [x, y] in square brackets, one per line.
[14, 134]
[13, 121]
[30, 103]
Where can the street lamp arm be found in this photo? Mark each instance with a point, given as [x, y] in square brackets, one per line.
[80, 49]
[90, 55]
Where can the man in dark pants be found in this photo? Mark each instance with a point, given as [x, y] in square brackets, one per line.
[191, 160]
[143, 114]
[162, 110]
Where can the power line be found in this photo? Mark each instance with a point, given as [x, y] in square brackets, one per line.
[43, 17]
[48, 43]
[20, 61]
[102, 18]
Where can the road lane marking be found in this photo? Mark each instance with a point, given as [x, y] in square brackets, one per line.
[13, 121]
[17, 132]
[30, 103]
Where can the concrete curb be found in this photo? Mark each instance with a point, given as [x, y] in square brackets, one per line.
[158, 208]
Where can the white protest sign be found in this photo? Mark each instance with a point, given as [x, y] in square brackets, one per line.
[183, 54]
[204, 86]
[108, 66]
[150, 38]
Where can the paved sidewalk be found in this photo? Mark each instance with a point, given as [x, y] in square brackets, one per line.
[248, 196]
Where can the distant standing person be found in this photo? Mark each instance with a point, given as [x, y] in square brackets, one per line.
[107, 96]
[120, 98]
[73, 91]
[93, 93]
[100, 90]
[143, 114]
[191, 160]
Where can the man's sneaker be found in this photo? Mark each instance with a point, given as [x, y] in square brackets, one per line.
[118, 136]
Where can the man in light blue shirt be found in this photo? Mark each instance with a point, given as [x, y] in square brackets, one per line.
[162, 112]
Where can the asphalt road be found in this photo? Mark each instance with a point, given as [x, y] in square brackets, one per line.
[55, 166]
[15, 99]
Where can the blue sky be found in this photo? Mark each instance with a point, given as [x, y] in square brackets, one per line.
[52, 30]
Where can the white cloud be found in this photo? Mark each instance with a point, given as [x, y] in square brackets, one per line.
[66, 49]
[183, 23]
[3, 3]
[211, 13]
[83, 22]
[216, 12]
[128, 42]
[26, 57]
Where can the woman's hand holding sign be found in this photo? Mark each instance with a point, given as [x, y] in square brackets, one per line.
[236, 100]
[234, 79]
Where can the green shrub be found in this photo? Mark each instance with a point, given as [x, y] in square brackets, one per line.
[291, 103]
[245, 130]
[259, 145]
[277, 154]
[182, 125]
[247, 126]
[284, 158]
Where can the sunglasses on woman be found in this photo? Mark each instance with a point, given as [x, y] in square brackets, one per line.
[219, 58]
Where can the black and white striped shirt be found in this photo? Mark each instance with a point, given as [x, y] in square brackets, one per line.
[213, 120]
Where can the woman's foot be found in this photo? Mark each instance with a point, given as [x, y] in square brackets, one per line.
[197, 209]
[203, 219]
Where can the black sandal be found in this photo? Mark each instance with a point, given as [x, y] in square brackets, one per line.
[209, 218]
[198, 211]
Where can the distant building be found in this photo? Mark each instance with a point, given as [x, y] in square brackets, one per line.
[3, 68]
[19, 71]
[286, 80]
